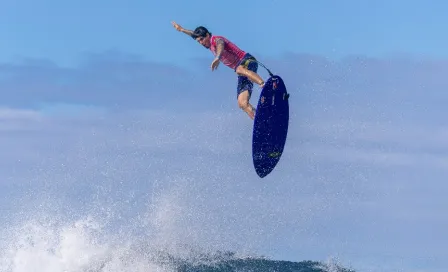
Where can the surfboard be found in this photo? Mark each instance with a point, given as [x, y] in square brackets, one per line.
[270, 126]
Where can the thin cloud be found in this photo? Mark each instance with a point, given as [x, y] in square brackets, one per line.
[117, 79]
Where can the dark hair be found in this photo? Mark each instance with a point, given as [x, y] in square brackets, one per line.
[200, 31]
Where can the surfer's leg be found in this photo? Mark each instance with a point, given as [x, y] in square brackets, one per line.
[251, 75]
[243, 103]
[247, 74]
[248, 68]
[244, 91]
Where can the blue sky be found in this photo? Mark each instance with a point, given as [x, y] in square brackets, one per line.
[64, 31]
[109, 116]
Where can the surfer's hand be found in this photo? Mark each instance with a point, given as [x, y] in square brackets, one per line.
[215, 64]
[176, 26]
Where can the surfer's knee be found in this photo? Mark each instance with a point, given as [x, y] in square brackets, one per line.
[239, 70]
[242, 104]
[242, 71]
[243, 101]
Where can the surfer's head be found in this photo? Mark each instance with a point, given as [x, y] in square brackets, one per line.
[202, 36]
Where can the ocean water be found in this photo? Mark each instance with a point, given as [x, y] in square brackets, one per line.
[117, 237]
[132, 193]
[84, 246]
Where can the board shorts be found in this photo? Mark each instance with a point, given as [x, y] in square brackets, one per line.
[244, 83]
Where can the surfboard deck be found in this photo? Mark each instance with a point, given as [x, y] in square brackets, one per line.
[270, 126]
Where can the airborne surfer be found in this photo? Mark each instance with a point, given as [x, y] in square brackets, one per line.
[244, 64]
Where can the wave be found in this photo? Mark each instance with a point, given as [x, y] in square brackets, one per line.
[84, 246]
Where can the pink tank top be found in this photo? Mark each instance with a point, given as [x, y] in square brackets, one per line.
[231, 55]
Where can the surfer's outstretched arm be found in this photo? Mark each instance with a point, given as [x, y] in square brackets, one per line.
[181, 29]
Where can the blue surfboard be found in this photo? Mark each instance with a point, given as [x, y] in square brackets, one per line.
[270, 126]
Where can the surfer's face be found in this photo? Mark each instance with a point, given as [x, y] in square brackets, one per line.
[204, 41]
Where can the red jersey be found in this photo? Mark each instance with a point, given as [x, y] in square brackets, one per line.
[231, 55]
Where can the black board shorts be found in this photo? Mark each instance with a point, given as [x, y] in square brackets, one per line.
[244, 83]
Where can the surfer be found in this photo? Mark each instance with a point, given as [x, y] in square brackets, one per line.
[243, 63]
